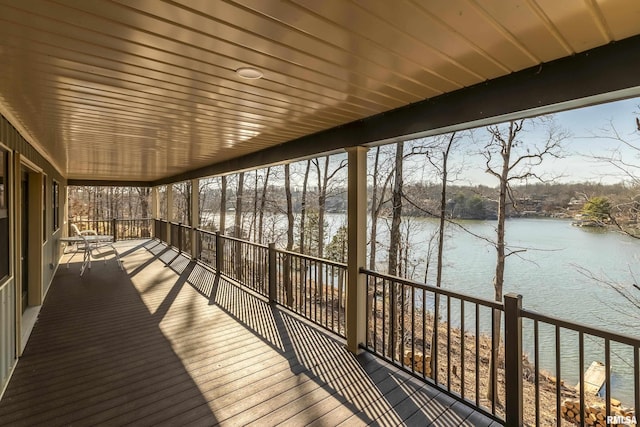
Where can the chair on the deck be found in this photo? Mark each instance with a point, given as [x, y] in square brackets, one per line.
[97, 250]
[77, 231]
[78, 246]
[92, 248]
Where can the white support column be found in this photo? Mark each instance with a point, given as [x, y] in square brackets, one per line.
[34, 253]
[155, 203]
[195, 215]
[357, 248]
[169, 213]
[155, 210]
[15, 224]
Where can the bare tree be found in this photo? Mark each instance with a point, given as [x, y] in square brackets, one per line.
[204, 195]
[223, 204]
[144, 194]
[510, 160]
[238, 229]
[381, 181]
[263, 202]
[629, 292]
[625, 160]
[324, 175]
[290, 224]
[303, 206]
[253, 223]
[441, 165]
[182, 202]
[394, 246]
[114, 202]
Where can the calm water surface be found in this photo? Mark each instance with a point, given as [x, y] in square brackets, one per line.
[548, 277]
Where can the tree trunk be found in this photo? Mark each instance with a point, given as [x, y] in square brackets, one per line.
[372, 236]
[110, 212]
[290, 219]
[202, 202]
[394, 238]
[130, 203]
[263, 201]
[374, 213]
[303, 207]
[223, 204]
[253, 229]
[187, 209]
[238, 226]
[394, 246]
[323, 181]
[443, 208]
[498, 281]
[144, 209]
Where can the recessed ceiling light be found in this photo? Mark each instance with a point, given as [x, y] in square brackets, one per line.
[249, 73]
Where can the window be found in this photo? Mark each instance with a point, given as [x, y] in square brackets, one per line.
[4, 215]
[55, 205]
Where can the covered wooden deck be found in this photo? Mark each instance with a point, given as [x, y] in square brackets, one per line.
[163, 343]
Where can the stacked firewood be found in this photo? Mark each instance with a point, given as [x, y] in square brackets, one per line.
[594, 414]
[418, 361]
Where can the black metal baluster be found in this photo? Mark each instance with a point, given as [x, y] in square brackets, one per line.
[462, 348]
[536, 350]
[448, 343]
[558, 413]
[581, 367]
[477, 355]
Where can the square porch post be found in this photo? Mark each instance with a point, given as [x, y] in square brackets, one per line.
[155, 203]
[357, 248]
[195, 216]
[169, 213]
[155, 209]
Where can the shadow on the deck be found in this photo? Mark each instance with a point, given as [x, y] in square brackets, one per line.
[140, 347]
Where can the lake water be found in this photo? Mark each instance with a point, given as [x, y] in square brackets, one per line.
[549, 277]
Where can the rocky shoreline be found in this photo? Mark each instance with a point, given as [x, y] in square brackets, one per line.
[594, 412]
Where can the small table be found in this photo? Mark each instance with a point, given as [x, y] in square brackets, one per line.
[90, 239]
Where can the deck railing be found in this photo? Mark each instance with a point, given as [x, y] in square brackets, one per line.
[246, 263]
[127, 229]
[442, 336]
[174, 235]
[468, 347]
[160, 229]
[180, 235]
[206, 247]
[120, 229]
[592, 345]
[312, 287]
[101, 226]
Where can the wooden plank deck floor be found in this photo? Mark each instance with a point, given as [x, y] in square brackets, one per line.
[163, 344]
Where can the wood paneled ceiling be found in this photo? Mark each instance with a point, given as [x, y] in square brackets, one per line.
[147, 89]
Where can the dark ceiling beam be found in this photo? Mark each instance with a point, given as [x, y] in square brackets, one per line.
[99, 183]
[544, 88]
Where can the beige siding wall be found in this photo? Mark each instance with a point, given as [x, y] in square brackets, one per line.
[7, 332]
[48, 251]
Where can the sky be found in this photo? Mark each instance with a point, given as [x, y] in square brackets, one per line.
[587, 130]
[586, 126]
[578, 163]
